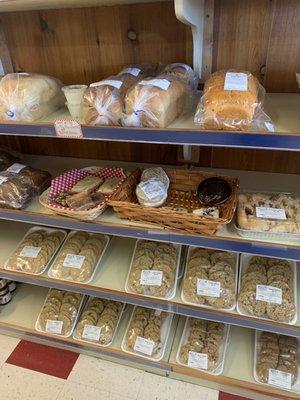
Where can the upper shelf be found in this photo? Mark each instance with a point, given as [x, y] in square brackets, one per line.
[283, 109]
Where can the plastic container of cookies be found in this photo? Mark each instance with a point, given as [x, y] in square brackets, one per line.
[31, 252]
[52, 272]
[94, 335]
[244, 263]
[218, 370]
[171, 293]
[164, 334]
[48, 320]
[187, 301]
[278, 378]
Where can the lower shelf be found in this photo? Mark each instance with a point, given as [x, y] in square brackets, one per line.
[19, 316]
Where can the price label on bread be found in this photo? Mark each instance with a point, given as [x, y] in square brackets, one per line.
[270, 213]
[208, 288]
[197, 360]
[132, 71]
[144, 346]
[280, 379]
[91, 332]
[236, 81]
[269, 294]
[68, 128]
[151, 277]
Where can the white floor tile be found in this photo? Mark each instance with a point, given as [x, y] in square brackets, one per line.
[21, 384]
[7, 345]
[77, 391]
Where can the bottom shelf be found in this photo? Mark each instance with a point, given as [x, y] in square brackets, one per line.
[19, 316]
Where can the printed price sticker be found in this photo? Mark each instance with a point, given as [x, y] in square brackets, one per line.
[91, 332]
[131, 71]
[16, 168]
[109, 82]
[236, 81]
[151, 277]
[280, 379]
[73, 261]
[269, 294]
[144, 346]
[68, 128]
[208, 288]
[160, 83]
[54, 326]
[30, 251]
[270, 213]
[3, 179]
[153, 188]
[197, 360]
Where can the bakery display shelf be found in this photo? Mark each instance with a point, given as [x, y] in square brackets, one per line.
[283, 108]
[116, 263]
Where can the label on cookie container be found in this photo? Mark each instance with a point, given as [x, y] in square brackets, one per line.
[54, 326]
[91, 332]
[151, 277]
[160, 83]
[197, 360]
[236, 81]
[16, 168]
[270, 294]
[270, 213]
[280, 379]
[30, 251]
[208, 288]
[144, 346]
[73, 261]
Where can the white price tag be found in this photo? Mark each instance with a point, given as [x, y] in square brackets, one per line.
[280, 379]
[269, 294]
[3, 179]
[108, 82]
[236, 81]
[160, 83]
[30, 251]
[54, 326]
[16, 168]
[131, 71]
[144, 346]
[197, 360]
[208, 288]
[91, 332]
[153, 188]
[73, 261]
[151, 277]
[270, 213]
[68, 128]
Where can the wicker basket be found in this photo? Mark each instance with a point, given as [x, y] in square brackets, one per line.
[181, 196]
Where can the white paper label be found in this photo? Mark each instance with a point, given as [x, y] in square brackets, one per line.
[91, 332]
[109, 82]
[73, 261]
[197, 360]
[236, 81]
[153, 189]
[208, 288]
[131, 71]
[54, 326]
[16, 168]
[269, 294]
[151, 277]
[144, 346]
[280, 379]
[160, 83]
[68, 128]
[30, 251]
[3, 179]
[270, 213]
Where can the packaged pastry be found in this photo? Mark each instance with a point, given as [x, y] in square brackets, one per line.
[152, 191]
[35, 251]
[276, 360]
[99, 321]
[267, 288]
[59, 313]
[232, 100]
[210, 278]
[28, 97]
[79, 257]
[203, 345]
[147, 333]
[15, 190]
[154, 269]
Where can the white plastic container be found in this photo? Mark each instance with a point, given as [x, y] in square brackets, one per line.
[287, 237]
[74, 93]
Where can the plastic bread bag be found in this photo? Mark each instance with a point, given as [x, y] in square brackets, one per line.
[152, 191]
[15, 191]
[28, 97]
[232, 100]
[184, 72]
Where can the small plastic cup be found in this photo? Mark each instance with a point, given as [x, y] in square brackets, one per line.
[75, 110]
[74, 93]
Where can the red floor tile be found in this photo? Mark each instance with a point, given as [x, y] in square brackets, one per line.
[228, 396]
[44, 359]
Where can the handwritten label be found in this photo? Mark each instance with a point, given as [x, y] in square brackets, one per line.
[236, 81]
[270, 213]
[269, 294]
[208, 288]
[68, 128]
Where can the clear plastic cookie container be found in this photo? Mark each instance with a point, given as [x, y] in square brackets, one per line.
[147, 333]
[36, 250]
[59, 313]
[99, 321]
[276, 361]
[80, 257]
[268, 288]
[210, 278]
[154, 269]
[203, 345]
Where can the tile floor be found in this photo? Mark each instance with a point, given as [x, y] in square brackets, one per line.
[32, 371]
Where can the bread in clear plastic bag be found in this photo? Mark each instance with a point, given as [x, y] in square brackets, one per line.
[28, 97]
[152, 191]
[232, 100]
[184, 72]
[15, 190]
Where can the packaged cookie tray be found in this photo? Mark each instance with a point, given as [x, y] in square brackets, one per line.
[53, 328]
[282, 378]
[164, 334]
[222, 351]
[51, 272]
[96, 342]
[171, 294]
[244, 262]
[184, 299]
[30, 231]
